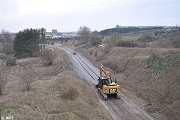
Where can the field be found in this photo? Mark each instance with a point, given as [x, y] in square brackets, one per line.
[130, 36]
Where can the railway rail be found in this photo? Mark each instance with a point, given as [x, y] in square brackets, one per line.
[123, 109]
[81, 62]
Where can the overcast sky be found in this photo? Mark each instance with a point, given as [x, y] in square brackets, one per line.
[69, 15]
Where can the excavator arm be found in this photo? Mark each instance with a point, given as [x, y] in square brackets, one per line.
[102, 70]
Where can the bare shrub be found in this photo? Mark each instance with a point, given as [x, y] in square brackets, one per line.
[100, 57]
[3, 78]
[36, 54]
[95, 53]
[146, 38]
[175, 39]
[10, 61]
[1, 83]
[48, 56]
[27, 79]
[126, 44]
[1, 108]
[90, 52]
[70, 94]
[95, 38]
[107, 48]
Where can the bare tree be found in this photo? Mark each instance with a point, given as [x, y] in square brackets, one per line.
[27, 79]
[95, 38]
[48, 56]
[84, 34]
[1, 83]
[3, 78]
[1, 108]
[175, 39]
[7, 42]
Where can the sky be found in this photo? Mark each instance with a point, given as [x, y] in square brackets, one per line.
[69, 15]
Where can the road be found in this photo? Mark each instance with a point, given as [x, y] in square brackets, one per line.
[120, 109]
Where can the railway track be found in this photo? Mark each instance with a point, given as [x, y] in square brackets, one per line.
[83, 64]
[122, 109]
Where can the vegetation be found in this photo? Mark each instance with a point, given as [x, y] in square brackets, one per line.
[7, 42]
[27, 41]
[126, 44]
[146, 38]
[156, 64]
[151, 74]
[27, 79]
[84, 34]
[130, 36]
[10, 61]
[113, 38]
[95, 38]
[48, 56]
[70, 94]
[175, 39]
[3, 78]
[124, 30]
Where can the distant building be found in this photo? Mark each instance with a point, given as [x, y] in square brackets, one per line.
[117, 26]
[57, 35]
[52, 35]
[54, 31]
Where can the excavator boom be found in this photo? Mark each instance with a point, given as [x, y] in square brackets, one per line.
[105, 72]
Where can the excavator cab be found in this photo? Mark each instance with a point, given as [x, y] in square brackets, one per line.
[102, 81]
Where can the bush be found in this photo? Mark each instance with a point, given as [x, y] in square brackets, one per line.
[107, 48]
[95, 38]
[146, 38]
[156, 64]
[70, 94]
[10, 61]
[96, 41]
[48, 56]
[27, 79]
[126, 44]
[36, 54]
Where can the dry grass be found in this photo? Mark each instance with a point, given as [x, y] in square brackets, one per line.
[50, 97]
[154, 79]
[70, 94]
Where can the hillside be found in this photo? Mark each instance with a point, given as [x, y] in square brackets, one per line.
[57, 93]
[150, 74]
[125, 30]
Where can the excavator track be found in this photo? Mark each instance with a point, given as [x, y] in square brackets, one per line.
[102, 94]
[118, 95]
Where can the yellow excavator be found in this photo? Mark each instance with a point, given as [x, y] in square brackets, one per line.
[106, 85]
